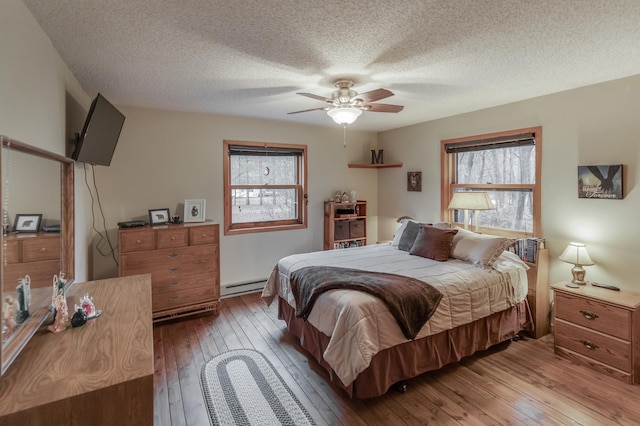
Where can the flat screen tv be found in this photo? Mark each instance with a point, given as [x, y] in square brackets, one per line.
[100, 134]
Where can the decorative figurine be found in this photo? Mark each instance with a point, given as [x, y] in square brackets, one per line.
[86, 303]
[345, 197]
[24, 299]
[61, 321]
[79, 318]
[10, 308]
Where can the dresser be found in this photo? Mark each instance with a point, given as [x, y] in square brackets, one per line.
[98, 374]
[36, 255]
[184, 263]
[599, 328]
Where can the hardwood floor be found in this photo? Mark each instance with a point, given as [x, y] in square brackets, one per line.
[516, 383]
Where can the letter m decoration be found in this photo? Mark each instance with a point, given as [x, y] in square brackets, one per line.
[376, 158]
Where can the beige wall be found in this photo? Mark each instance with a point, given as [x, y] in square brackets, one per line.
[34, 86]
[598, 124]
[163, 158]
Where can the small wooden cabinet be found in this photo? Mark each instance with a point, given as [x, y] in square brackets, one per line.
[36, 255]
[184, 263]
[345, 224]
[598, 328]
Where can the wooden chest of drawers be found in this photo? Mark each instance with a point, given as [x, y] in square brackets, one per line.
[599, 328]
[36, 255]
[184, 263]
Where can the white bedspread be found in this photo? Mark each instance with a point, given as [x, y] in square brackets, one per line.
[360, 325]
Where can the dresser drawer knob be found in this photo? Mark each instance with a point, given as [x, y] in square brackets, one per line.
[138, 241]
[173, 255]
[173, 298]
[173, 270]
[204, 235]
[173, 284]
[173, 238]
[587, 344]
[589, 315]
[43, 249]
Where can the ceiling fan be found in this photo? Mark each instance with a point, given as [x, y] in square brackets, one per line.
[346, 105]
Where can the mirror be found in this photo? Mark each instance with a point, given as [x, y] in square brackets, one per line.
[37, 238]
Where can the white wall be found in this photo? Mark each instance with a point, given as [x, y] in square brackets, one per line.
[164, 157]
[599, 124]
[34, 84]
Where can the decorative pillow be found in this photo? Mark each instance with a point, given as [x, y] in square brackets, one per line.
[399, 232]
[409, 236]
[478, 249]
[433, 243]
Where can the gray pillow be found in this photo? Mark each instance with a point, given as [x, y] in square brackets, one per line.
[409, 236]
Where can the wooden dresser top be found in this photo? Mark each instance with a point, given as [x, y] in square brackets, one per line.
[114, 348]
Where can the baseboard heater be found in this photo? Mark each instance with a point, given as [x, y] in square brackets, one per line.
[237, 289]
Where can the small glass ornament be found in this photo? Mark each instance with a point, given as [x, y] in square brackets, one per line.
[86, 304]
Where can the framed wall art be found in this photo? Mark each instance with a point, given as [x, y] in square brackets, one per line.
[603, 182]
[27, 223]
[194, 210]
[159, 216]
[414, 181]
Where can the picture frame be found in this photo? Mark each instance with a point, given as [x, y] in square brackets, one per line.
[194, 210]
[27, 222]
[159, 216]
[600, 182]
[414, 181]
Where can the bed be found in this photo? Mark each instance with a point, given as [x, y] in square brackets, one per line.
[353, 334]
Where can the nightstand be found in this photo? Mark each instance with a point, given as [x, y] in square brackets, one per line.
[598, 328]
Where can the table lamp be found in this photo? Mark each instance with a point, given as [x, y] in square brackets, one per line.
[471, 200]
[576, 253]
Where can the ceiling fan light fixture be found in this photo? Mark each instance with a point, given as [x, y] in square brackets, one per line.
[344, 115]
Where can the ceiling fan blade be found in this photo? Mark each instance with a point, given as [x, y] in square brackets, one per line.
[375, 95]
[384, 108]
[312, 96]
[307, 110]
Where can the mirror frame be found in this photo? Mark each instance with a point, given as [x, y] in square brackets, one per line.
[67, 241]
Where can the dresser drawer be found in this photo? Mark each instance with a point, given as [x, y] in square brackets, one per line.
[170, 263]
[598, 346]
[12, 251]
[170, 284]
[168, 238]
[594, 314]
[139, 240]
[203, 235]
[41, 273]
[38, 249]
[184, 297]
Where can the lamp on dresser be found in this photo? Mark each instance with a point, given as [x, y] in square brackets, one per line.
[577, 254]
[471, 200]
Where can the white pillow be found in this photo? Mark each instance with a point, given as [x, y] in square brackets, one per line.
[398, 234]
[478, 249]
[508, 260]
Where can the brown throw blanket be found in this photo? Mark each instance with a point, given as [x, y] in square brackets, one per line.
[411, 301]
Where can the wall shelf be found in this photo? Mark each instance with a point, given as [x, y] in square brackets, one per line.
[374, 166]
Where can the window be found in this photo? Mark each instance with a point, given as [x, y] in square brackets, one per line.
[264, 187]
[507, 166]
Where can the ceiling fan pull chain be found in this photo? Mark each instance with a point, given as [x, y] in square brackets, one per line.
[344, 135]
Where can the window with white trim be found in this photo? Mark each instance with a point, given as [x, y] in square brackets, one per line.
[264, 186]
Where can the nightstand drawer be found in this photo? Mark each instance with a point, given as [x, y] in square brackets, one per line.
[594, 314]
[600, 347]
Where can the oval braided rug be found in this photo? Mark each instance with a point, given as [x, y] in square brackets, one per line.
[241, 387]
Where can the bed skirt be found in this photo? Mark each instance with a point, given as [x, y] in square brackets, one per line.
[415, 357]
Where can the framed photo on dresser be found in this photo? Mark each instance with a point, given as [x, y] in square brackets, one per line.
[194, 210]
[159, 216]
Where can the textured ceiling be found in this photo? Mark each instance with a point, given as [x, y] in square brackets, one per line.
[250, 57]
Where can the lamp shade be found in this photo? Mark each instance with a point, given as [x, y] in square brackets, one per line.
[576, 253]
[472, 200]
[344, 115]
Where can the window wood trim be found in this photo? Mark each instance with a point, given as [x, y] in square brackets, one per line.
[448, 184]
[268, 226]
